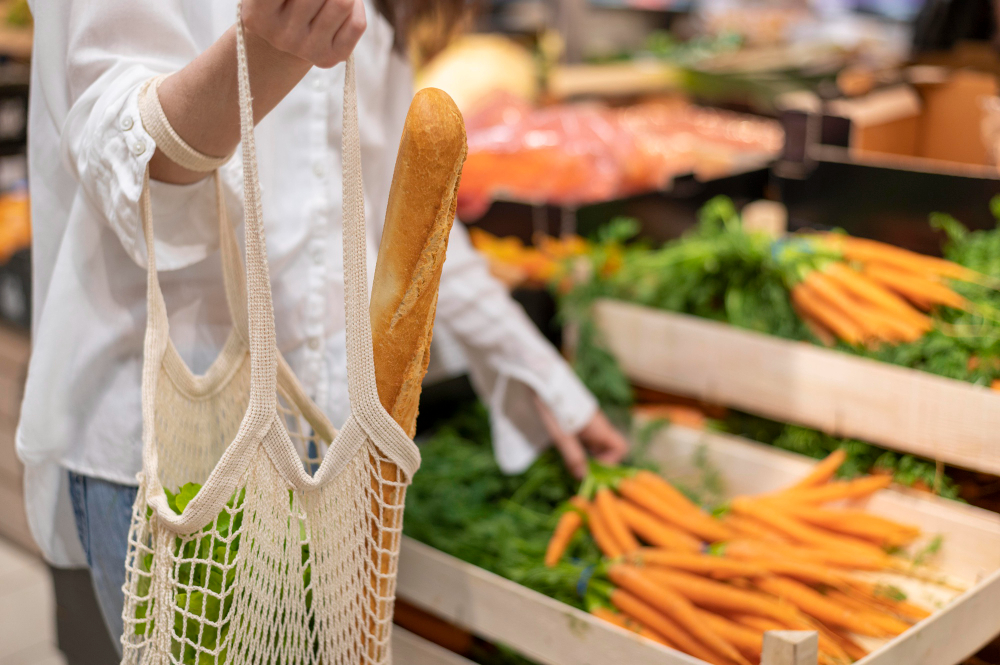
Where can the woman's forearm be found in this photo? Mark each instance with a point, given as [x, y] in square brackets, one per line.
[284, 39]
[201, 101]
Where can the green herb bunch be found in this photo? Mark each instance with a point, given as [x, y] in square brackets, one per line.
[462, 503]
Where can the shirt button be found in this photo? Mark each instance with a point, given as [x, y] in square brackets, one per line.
[127, 122]
[314, 343]
[318, 169]
[138, 148]
[319, 83]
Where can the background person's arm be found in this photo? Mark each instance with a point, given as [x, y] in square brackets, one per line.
[285, 38]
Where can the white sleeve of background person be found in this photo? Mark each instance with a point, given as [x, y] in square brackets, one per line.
[509, 359]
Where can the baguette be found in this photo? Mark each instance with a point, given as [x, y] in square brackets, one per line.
[418, 219]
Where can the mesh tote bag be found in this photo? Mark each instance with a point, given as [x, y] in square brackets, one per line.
[259, 533]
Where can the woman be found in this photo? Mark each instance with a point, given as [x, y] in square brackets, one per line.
[80, 428]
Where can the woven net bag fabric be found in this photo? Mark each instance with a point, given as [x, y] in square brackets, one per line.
[260, 534]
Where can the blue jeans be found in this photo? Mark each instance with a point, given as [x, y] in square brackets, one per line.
[103, 512]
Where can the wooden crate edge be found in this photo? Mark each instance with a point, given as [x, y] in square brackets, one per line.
[927, 415]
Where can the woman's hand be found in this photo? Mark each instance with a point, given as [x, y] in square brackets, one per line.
[321, 32]
[598, 437]
[284, 39]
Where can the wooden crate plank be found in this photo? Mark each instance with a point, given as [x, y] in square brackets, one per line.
[904, 409]
[410, 649]
[790, 647]
[949, 636]
[499, 610]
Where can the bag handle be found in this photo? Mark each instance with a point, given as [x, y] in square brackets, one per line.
[260, 308]
[366, 408]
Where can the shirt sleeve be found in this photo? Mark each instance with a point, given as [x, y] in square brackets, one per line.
[114, 46]
[508, 358]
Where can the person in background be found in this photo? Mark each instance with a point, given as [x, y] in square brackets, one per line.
[80, 430]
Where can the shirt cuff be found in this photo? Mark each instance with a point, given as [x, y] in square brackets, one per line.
[185, 219]
[519, 436]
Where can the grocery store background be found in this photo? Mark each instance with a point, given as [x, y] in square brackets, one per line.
[862, 114]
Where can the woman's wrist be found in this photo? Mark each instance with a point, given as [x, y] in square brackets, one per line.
[201, 101]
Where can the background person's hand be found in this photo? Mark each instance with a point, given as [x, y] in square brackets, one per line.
[321, 32]
[598, 438]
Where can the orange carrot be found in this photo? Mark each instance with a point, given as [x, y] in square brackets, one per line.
[819, 331]
[829, 291]
[854, 650]
[823, 471]
[817, 605]
[655, 532]
[692, 521]
[747, 640]
[856, 523]
[751, 528]
[607, 505]
[665, 490]
[871, 292]
[884, 598]
[566, 528]
[877, 617]
[628, 623]
[752, 550]
[809, 301]
[893, 328]
[769, 513]
[648, 615]
[871, 251]
[602, 535]
[911, 285]
[675, 607]
[718, 596]
[854, 489]
[711, 566]
[804, 571]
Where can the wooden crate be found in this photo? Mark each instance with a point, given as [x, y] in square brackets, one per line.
[904, 409]
[553, 633]
[410, 649]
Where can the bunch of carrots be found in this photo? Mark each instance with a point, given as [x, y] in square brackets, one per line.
[874, 293]
[711, 586]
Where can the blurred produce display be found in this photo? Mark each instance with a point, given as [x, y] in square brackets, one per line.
[519, 265]
[15, 224]
[575, 154]
[19, 14]
[476, 66]
[674, 563]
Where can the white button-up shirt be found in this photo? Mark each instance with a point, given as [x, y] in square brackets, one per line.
[88, 152]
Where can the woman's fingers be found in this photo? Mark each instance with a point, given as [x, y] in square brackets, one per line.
[604, 442]
[573, 454]
[569, 447]
[322, 32]
[297, 17]
[350, 33]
